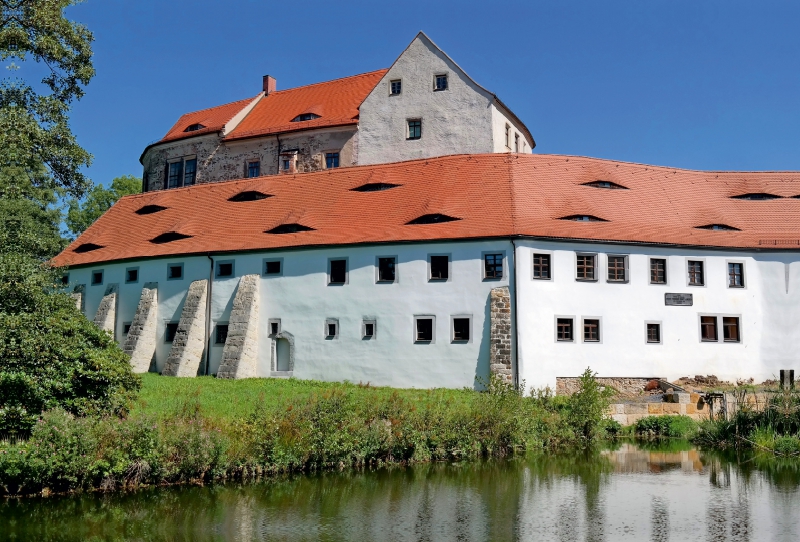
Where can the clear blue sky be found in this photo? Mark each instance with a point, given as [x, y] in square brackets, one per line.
[702, 85]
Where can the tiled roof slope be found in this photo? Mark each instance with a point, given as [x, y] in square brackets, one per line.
[494, 195]
[214, 119]
[336, 102]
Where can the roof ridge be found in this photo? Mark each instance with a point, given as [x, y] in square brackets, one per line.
[330, 81]
[216, 107]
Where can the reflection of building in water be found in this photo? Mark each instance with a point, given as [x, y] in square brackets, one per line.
[628, 458]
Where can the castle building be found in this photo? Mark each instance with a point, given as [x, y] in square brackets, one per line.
[433, 261]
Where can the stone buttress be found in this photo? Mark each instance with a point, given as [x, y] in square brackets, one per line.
[240, 354]
[140, 344]
[500, 334]
[106, 316]
[187, 347]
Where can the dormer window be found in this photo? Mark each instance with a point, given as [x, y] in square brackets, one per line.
[87, 247]
[606, 184]
[432, 219]
[374, 187]
[194, 127]
[440, 82]
[169, 237]
[249, 195]
[756, 196]
[289, 228]
[305, 116]
[583, 218]
[149, 209]
[718, 227]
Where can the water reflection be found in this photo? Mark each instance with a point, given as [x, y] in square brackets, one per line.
[629, 492]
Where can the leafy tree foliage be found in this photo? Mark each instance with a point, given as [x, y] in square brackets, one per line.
[82, 214]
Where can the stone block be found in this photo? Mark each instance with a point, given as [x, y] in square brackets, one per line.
[655, 408]
[694, 398]
[187, 348]
[140, 344]
[636, 408]
[691, 409]
[106, 316]
[671, 408]
[239, 355]
[621, 419]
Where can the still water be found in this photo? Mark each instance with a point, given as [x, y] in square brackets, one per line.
[628, 492]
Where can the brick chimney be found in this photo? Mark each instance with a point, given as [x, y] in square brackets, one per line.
[269, 84]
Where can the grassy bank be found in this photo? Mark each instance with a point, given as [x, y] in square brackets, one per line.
[192, 430]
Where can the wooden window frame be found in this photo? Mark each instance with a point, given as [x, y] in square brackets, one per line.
[651, 260]
[378, 279]
[599, 321]
[711, 319]
[549, 265]
[571, 328]
[417, 318]
[595, 257]
[346, 280]
[449, 270]
[503, 265]
[331, 156]
[248, 169]
[625, 273]
[391, 87]
[726, 325]
[409, 136]
[742, 274]
[446, 77]
[689, 273]
[453, 318]
[647, 325]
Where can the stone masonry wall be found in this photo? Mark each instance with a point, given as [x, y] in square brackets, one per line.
[240, 352]
[187, 348]
[500, 334]
[626, 386]
[106, 316]
[140, 344]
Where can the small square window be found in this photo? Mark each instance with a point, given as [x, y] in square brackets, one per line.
[493, 266]
[286, 164]
[97, 278]
[65, 279]
[586, 266]
[541, 266]
[414, 129]
[658, 271]
[440, 82]
[735, 275]
[126, 328]
[273, 267]
[653, 333]
[331, 329]
[708, 328]
[591, 330]
[424, 329]
[564, 329]
[224, 269]
[337, 272]
[387, 269]
[617, 269]
[132, 275]
[171, 329]
[175, 271]
[461, 329]
[368, 329]
[222, 334]
[254, 168]
[730, 329]
[395, 87]
[440, 267]
[274, 326]
[331, 160]
[696, 277]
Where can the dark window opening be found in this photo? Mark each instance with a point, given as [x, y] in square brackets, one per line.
[150, 209]
[616, 268]
[424, 329]
[435, 218]
[564, 329]
[170, 332]
[126, 328]
[516, 142]
[591, 330]
[654, 333]
[131, 275]
[289, 228]
[395, 86]
[460, 329]
[585, 267]
[708, 328]
[249, 195]
[730, 329]
[331, 326]
[718, 227]
[97, 277]
[757, 196]
[439, 267]
[736, 275]
[305, 116]
[87, 247]
[331, 160]
[541, 266]
[175, 272]
[583, 218]
[189, 172]
[606, 184]
[65, 279]
[374, 187]
[194, 127]
[169, 237]
[338, 272]
[174, 174]
[274, 328]
[493, 266]
[254, 168]
[272, 268]
[225, 270]
[414, 129]
[696, 273]
[286, 164]
[386, 269]
[222, 333]
[658, 271]
[440, 83]
[369, 329]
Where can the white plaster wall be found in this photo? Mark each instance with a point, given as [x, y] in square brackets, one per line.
[499, 121]
[769, 319]
[457, 120]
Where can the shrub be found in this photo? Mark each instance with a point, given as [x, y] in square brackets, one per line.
[586, 408]
[666, 426]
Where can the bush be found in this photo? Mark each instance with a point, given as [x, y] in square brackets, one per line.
[586, 408]
[666, 426]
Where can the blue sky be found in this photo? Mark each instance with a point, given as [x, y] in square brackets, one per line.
[701, 85]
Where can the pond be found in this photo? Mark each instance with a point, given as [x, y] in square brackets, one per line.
[626, 492]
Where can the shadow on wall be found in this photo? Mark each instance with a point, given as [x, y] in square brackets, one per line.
[482, 363]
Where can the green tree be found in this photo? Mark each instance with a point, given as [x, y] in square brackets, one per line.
[586, 408]
[82, 214]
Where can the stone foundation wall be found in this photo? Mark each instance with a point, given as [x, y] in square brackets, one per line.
[630, 413]
[106, 316]
[240, 353]
[140, 344]
[187, 348]
[500, 334]
[626, 386]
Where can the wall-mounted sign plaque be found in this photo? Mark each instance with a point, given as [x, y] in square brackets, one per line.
[680, 300]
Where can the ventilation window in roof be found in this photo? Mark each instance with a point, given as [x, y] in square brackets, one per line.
[86, 247]
[374, 187]
[150, 209]
[756, 196]
[289, 228]
[249, 195]
[718, 227]
[583, 218]
[169, 237]
[194, 127]
[606, 184]
[432, 219]
[305, 117]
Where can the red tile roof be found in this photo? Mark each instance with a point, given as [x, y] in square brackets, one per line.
[336, 102]
[213, 118]
[494, 195]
